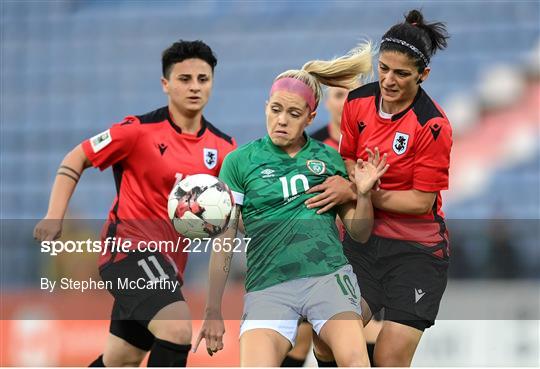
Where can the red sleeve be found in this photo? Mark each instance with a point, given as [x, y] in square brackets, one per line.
[432, 157]
[113, 145]
[349, 134]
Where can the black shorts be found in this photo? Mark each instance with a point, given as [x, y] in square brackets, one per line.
[135, 307]
[403, 277]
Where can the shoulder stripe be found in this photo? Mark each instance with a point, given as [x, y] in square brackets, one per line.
[371, 89]
[156, 116]
[218, 133]
[425, 109]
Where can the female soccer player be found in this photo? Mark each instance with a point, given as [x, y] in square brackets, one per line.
[330, 135]
[296, 266]
[148, 154]
[403, 266]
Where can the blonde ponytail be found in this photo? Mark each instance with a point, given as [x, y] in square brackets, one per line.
[346, 71]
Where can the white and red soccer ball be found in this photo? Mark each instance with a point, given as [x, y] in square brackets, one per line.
[200, 206]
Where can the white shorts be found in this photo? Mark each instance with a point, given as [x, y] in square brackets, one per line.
[281, 307]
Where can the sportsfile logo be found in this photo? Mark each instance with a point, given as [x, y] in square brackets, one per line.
[267, 173]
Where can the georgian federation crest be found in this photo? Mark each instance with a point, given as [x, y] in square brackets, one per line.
[210, 158]
[400, 142]
[316, 166]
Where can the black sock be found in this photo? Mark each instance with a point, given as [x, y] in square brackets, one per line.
[98, 363]
[290, 361]
[370, 351]
[326, 364]
[168, 354]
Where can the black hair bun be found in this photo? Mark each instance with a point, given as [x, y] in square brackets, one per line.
[415, 17]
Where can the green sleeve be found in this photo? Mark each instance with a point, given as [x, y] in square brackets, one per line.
[339, 164]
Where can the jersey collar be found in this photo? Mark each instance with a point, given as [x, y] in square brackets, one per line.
[179, 130]
[401, 113]
[275, 149]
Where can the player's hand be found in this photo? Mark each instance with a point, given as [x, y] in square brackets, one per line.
[212, 331]
[48, 229]
[374, 157]
[336, 190]
[368, 173]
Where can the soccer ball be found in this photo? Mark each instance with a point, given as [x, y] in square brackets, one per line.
[200, 206]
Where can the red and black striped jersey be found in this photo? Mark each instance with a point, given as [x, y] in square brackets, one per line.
[418, 141]
[148, 153]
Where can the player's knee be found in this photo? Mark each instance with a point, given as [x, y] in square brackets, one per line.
[355, 358]
[323, 356]
[178, 332]
[395, 358]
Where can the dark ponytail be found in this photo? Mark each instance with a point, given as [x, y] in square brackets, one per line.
[416, 38]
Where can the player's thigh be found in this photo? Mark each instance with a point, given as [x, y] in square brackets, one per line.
[345, 337]
[414, 284]
[396, 344]
[118, 352]
[141, 301]
[303, 341]
[276, 308]
[159, 308]
[363, 259]
[332, 294]
[172, 323]
[263, 347]
[321, 350]
[128, 340]
[334, 310]
[372, 329]
[324, 353]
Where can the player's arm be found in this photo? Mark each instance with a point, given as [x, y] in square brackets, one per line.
[349, 165]
[101, 151]
[241, 228]
[67, 177]
[334, 191]
[404, 202]
[213, 327]
[358, 217]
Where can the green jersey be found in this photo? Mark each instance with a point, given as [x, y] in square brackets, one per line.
[288, 240]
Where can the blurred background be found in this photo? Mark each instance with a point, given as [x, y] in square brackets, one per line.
[69, 69]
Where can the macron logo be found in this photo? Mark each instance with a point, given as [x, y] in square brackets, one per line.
[267, 173]
[418, 294]
[162, 147]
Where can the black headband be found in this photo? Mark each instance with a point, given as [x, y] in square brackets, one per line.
[413, 48]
